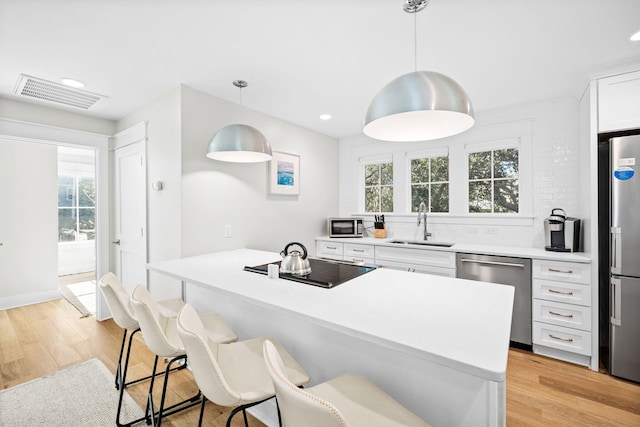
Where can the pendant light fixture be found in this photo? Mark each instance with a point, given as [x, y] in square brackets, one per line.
[239, 143]
[418, 106]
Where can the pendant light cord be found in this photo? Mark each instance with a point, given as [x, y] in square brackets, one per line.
[415, 42]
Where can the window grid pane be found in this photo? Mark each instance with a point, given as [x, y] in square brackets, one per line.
[76, 208]
[378, 190]
[429, 183]
[493, 181]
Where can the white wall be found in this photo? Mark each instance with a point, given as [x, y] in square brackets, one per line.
[201, 195]
[556, 154]
[28, 223]
[215, 194]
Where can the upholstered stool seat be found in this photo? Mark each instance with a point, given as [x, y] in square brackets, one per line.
[161, 336]
[234, 374]
[348, 400]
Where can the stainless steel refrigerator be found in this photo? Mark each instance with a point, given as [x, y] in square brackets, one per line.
[624, 250]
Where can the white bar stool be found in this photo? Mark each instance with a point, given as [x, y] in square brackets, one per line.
[119, 304]
[347, 400]
[160, 335]
[231, 375]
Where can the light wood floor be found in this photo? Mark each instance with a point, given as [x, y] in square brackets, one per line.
[40, 339]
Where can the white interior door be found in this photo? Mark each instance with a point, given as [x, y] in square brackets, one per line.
[130, 221]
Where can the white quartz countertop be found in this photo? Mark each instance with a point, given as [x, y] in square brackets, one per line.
[461, 324]
[521, 252]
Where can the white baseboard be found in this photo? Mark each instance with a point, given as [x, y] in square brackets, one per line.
[28, 299]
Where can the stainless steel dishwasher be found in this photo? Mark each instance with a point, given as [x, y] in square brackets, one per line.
[505, 271]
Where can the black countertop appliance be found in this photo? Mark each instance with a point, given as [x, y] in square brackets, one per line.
[562, 233]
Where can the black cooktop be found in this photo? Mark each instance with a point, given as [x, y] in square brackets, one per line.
[325, 274]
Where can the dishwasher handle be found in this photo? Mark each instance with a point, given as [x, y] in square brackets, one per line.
[504, 264]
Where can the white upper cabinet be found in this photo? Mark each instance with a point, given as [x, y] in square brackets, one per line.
[619, 102]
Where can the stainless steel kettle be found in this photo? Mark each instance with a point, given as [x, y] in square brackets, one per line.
[293, 262]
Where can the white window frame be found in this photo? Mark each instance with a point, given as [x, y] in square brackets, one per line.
[525, 178]
[412, 155]
[76, 175]
[371, 160]
[480, 138]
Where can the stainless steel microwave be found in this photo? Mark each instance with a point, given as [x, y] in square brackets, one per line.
[346, 227]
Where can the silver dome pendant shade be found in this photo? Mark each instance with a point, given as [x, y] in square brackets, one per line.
[239, 143]
[418, 106]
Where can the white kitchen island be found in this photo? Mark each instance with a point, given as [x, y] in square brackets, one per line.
[438, 345]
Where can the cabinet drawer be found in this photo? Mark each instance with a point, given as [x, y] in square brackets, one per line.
[418, 268]
[557, 313]
[332, 250]
[418, 256]
[552, 290]
[358, 251]
[567, 339]
[574, 272]
[359, 260]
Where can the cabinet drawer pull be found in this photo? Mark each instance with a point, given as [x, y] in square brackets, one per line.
[553, 291]
[560, 338]
[570, 316]
[332, 247]
[357, 260]
[555, 270]
[357, 250]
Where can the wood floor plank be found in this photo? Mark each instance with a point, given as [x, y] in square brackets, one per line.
[541, 392]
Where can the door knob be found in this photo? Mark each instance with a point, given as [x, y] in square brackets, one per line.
[117, 242]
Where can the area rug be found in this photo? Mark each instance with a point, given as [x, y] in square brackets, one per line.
[79, 396]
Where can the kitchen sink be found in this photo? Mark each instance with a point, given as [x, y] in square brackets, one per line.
[422, 243]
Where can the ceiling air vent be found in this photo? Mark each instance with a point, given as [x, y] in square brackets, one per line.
[45, 90]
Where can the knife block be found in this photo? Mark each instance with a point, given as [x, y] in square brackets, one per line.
[380, 233]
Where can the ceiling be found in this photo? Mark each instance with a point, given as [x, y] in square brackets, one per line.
[303, 58]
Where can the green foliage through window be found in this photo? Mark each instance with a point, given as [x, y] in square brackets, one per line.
[430, 183]
[378, 187]
[493, 181]
[76, 208]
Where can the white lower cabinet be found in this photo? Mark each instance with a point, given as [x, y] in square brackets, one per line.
[359, 253]
[562, 310]
[331, 250]
[439, 263]
[558, 339]
[352, 252]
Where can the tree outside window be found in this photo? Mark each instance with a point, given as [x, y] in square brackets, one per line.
[378, 187]
[430, 183]
[76, 208]
[494, 181]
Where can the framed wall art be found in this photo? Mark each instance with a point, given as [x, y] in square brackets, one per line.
[284, 174]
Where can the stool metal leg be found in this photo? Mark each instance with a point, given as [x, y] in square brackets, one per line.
[156, 418]
[243, 408]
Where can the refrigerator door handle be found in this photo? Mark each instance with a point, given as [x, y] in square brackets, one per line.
[616, 250]
[616, 302]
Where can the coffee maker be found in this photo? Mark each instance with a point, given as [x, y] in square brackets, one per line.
[562, 233]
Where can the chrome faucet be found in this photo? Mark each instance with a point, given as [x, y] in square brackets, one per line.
[422, 209]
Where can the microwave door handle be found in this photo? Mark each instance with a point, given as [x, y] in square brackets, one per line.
[616, 250]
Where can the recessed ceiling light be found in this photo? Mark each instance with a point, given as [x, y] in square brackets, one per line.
[72, 83]
[635, 37]
[325, 116]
